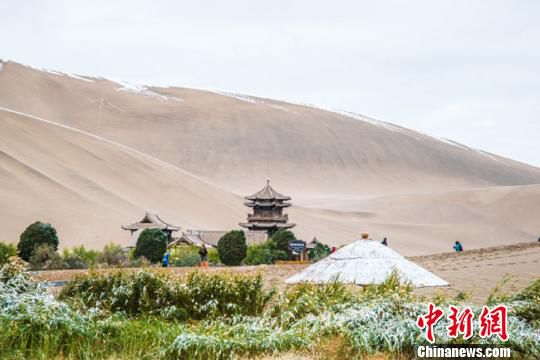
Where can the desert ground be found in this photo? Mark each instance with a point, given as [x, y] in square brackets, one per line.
[474, 272]
[89, 154]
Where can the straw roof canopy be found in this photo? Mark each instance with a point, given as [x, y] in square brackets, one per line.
[366, 262]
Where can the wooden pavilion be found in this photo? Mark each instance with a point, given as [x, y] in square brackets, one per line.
[267, 205]
[150, 221]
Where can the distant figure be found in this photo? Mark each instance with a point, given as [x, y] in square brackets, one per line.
[539, 239]
[165, 261]
[384, 242]
[203, 253]
[333, 250]
[458, 247]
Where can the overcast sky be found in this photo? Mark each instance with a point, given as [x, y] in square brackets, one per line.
[464, 70]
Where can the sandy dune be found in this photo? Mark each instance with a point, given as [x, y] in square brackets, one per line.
[190, 154]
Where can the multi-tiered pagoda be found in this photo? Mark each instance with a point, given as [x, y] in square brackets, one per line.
[268, 207]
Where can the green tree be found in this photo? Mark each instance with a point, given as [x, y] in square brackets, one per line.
[6, 251]
[232, 248]
[282, 238]
[36, 234]
[152, 244]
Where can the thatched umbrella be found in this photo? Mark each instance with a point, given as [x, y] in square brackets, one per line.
[366, 262]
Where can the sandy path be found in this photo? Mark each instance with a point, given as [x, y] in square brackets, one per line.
[476, 272]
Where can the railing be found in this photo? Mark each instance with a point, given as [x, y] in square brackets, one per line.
[284, 217]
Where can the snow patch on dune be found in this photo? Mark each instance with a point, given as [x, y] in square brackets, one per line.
[453, 143]
[486, 154]
[369, 120]
[59, 73]
[241, 97]
[143, 90]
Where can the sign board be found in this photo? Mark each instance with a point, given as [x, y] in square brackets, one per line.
[297, 246]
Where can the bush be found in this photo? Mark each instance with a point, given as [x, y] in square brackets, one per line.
[89, 257]
[258, 254]
[6, 251]
[36, 234]
[112, 255]
[232, 248]
[282, 238]
[213, 256]
[319, 252]
[45, 257]
[265, 253]
[152, 244]
[185, 256]
[157, 293]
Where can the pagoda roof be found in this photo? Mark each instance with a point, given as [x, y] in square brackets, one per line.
[267, 203]
[151, 221]
[267, 193]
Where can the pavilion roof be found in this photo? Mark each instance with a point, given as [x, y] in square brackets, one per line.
[267, 193]
[151, 221]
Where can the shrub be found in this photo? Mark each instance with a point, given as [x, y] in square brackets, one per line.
[258, 254]
[213, 256]
[45, 257]
[157, 293]
[282, 238]
[36, 234]
[112, 255]
[142, 292]
[72, 261]
[152, 244]
[89, 257]
[185, 256]
[232, 248]
[265, 253]
[6, 251]
[319, 252]
[226, 294]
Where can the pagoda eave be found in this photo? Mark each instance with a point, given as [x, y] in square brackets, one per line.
[268, 225]
[267, 204]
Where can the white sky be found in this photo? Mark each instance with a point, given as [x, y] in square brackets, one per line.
[464, 70]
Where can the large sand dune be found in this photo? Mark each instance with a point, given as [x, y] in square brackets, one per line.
[111, 151]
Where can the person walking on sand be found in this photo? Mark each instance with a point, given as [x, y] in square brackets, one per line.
[458, 247]
[203, 253]
[165, 260]
[384, 242]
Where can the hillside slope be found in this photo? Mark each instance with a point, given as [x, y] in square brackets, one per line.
[236, 141]
[89, 154]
